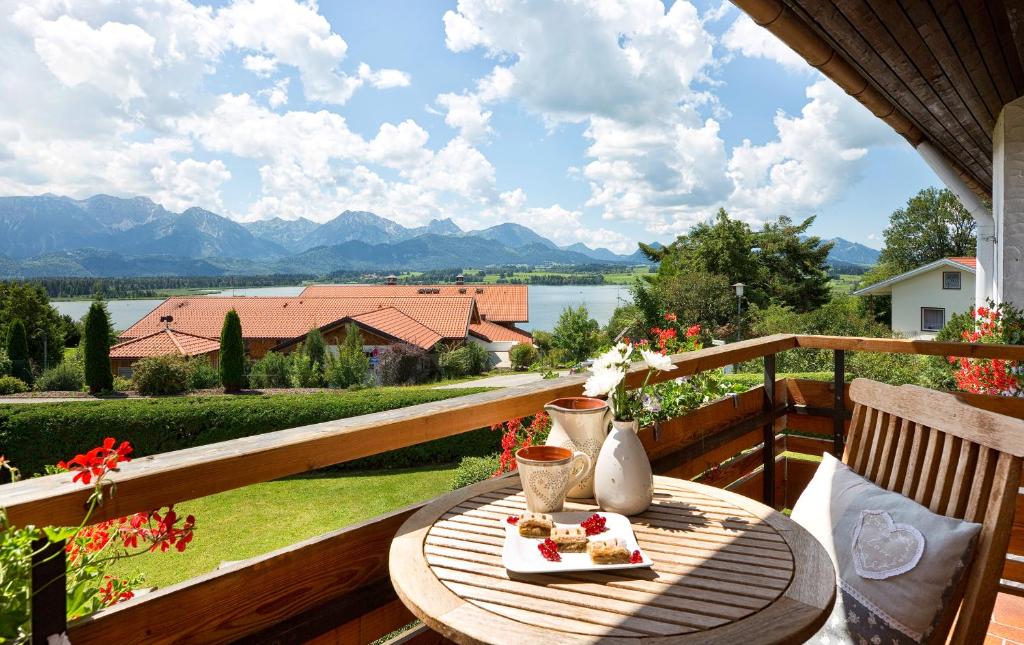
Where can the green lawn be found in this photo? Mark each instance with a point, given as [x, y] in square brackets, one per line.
[250, 521]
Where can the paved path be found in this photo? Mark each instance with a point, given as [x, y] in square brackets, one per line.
[503, 380]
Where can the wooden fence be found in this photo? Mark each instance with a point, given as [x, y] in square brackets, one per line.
[335, 588]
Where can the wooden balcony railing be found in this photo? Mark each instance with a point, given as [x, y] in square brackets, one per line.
[336, 585]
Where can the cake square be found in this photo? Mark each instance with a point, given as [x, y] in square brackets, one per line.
[570, 539]
[612, 551]
[535, 524]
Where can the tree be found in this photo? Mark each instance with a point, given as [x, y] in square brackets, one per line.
[352, 367]
[315, 348]
[30, 304]
[232, 353]
[96, 349]
[779, 264]
[933, 225]
[17, 351]
[576, 333]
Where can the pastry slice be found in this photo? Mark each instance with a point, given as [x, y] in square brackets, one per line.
[612, 551]
[535, 525]
[570, 539]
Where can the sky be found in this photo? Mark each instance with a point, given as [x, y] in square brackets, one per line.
[605, 122]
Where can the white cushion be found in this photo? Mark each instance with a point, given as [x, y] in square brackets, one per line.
[896, 561]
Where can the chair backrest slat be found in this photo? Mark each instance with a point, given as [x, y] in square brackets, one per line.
[956, 459]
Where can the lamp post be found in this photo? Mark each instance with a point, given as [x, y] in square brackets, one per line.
[739, 307]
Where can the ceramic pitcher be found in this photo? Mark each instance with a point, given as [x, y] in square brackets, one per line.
[623, 481]
[579, 423]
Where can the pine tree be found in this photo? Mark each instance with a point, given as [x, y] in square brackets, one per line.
[232, 353]
[315, 348]
[96, 349]
[17, 350]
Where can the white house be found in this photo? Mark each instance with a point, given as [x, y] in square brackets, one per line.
[924, 298]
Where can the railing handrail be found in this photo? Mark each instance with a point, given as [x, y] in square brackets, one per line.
[153, 481]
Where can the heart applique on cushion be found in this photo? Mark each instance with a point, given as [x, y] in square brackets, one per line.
[882, 548]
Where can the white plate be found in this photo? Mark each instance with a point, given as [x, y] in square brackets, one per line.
[521, 555]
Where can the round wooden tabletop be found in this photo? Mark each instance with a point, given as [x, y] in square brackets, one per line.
[726, 569]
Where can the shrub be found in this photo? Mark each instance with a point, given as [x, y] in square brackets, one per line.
[455, 363]
[271, 371]
[67, 376]
[35, 435]
[474, 469]
[202, 374]
[352, 367]
[479, 358]
[17, 351]
[5, 363]
[303, 372]
[96, 349]
[232, 353]
[159, 375]
[12, 385]
[403, 364]
[522, 356]
[122, 384]
[576, 333]
[315, 348]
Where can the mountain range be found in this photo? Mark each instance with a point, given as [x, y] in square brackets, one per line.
[50, 235]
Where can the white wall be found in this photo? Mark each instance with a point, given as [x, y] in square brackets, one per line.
[925, 290]
[497, 350]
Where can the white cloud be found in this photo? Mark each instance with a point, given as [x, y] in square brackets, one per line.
[260, 65]
[753, 41]
[190, 183]
[384, 79]
[277, 94]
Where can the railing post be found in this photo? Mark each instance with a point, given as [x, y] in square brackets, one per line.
[49, 593]
[768, 432]
[839, 403]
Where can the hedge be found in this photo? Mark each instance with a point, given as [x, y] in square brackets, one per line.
[752, 379]
[32, 436]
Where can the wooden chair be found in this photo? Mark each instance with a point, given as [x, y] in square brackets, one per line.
[956, 459]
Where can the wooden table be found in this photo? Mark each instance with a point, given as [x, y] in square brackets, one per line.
[726, 569]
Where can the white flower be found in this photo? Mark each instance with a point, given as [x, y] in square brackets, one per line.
[656, 361]
[616, 358]
[603, 381]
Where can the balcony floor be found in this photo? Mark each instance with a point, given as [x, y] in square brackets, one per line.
[1007, 626]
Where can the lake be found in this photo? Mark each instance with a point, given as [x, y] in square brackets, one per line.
[546, 303]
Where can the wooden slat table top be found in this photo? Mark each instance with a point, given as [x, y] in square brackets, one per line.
[726, 569]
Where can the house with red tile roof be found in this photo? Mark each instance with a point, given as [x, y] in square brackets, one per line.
[924, 298]
[427, 318]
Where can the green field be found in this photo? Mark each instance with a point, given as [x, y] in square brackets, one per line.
[845, 282]
[250, 521]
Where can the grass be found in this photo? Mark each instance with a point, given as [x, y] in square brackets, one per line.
[844, 283]
[250, 521]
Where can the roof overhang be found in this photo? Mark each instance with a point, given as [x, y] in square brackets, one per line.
[936, 71]
[884, 287]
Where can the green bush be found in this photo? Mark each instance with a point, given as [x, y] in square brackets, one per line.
[12, 385]
[5, 363]
[202, 375]
[751, 379]
[455, 363]
[232, 353]
[96, 348]
[271, 371]
[315, 348]
[122, 384]
[160, 375]
[303, 372]
[479, 358]
[17, 351]
[522, 356]
[403, 364]
[351, 368]
[66, 376]
[474, 469]
[35, 435]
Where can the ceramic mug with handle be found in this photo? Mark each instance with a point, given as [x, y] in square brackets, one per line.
[548, 473]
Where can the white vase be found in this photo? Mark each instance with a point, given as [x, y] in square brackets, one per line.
[579, 423]
[623, 481]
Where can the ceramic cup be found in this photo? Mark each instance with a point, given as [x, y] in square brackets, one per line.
[547, 473]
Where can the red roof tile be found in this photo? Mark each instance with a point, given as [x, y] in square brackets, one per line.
[392, 322]
[281, 318]
[165, 341]
[494, 332]
[967, 262]
[497, 302]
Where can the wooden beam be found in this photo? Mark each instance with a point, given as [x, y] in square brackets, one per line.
[258, 594]
[151, 482]
[901, 346]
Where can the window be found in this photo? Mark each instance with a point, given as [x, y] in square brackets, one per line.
[932, 318]
[950, 279]
[124, 372]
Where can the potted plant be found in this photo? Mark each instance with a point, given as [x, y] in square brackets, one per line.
[623, 481]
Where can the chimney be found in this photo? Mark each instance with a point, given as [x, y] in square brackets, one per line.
[392, 280]
[167, 320]
[460, 279]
